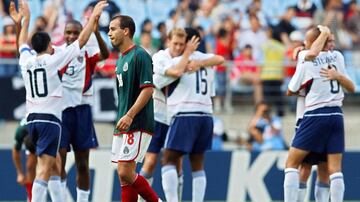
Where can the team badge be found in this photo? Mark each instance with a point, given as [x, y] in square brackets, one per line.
[126, 150]
[125, 67]
[80, 59]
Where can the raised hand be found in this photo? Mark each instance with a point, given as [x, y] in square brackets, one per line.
[192, 45]
[324, 29]
[14, 14]
[99, 8]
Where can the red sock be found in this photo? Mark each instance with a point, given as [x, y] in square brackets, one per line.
[144, 189]
[28, 187]
[128, 194]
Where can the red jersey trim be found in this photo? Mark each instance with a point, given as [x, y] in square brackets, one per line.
[128, 50]
[147, 85]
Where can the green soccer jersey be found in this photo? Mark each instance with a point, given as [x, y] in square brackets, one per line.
[134, 72]
[20, 134]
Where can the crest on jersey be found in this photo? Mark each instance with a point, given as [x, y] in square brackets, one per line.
[80, 59]
[125, 67]
[126, 150]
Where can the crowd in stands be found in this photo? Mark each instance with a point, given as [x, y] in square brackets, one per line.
[257, 40]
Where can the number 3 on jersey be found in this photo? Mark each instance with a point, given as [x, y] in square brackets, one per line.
[201, 81]
[38, 80]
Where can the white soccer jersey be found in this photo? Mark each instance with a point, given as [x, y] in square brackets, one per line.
[77, 80]
[193, 91]
[162, 61]
[42, 80]
[319, 91]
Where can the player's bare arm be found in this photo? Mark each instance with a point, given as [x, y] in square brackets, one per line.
[16, 16]
[143, 98]
[86, 32]
[178, 69]
[104, 51]
[333, 74]
[16, 156]
[318, 44]
[25, 12]
[195, 65]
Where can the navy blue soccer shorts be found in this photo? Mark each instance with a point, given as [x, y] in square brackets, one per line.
[190, 132]
[312, 158]
[158, 138]
[78, 128]
[321, 131]
[45, 132]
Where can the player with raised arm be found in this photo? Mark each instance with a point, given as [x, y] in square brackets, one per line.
[169, 65]
[322, 127]
[322, 182]
[44, 102]
[77, 120]
[24, 178]
[135, 119]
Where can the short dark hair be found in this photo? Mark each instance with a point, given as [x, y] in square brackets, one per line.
[190, 32]
[126, 22]
[74, 22]
[40, 41]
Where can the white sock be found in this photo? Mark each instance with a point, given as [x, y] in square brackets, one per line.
[39, 191]
[198, 186]
[291, 184]
[82, 195]
[180, 186]
[322, 193]
[302, 192]
[170, 182]
[55, 189]
[337, 187]
[64, 189]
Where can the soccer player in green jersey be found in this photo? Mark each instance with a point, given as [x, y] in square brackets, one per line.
[22, 137]
[135, 119]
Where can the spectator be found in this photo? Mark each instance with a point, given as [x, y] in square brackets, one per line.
[247, 36]
[254, 9]
[305, 10]
[161, 27]
[272, 72]
[8, 49]
[147, 29]
[332, 16]
[282, 30]
[265, 130]
[56, 15]
[4, 7]
[353, 25]
[185, 12]
[175, 20]
[146, 43]
[223, 48]
[247, 72]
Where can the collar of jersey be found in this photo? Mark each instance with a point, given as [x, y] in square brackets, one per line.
[128, 50]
